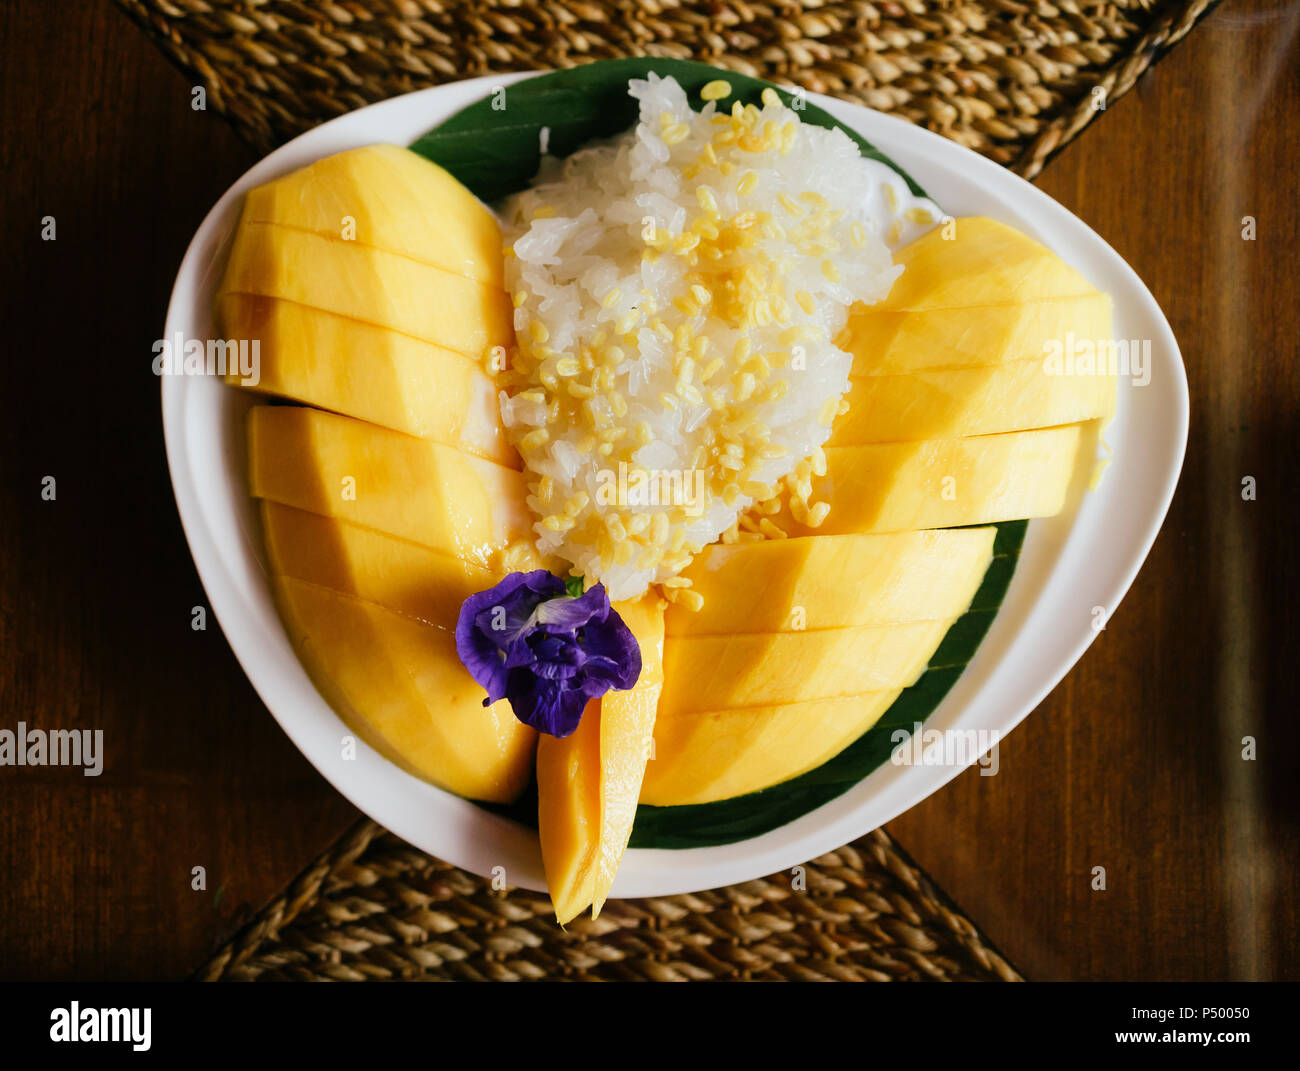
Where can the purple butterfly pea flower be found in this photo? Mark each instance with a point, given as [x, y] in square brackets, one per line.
[527, 640]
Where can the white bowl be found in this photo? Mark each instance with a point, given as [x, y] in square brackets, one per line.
[1084, 558]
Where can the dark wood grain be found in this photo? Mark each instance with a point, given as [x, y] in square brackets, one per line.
[1132, 764]
[97, 587]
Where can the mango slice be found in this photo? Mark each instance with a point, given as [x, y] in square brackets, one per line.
[412, 488]
[371, 373]
[786, 703]
[887, 342]
[389, 198]
[400, 685]
[944, 483]
[704, 756]
[627, 721]
[784, 585]
[952, 403]
[772, 669]
[368, 284]
[980, 262]
[589, 782]
[568, 813]
[393, 573]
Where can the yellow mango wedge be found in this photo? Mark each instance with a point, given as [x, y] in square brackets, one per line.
[944, 483]
[393, 573]
[411, 488]
[627, 721]
[589, 782]
[772, 669]
[368, 284]
[400, 685]
[369, 372]
[953, 403]
[568, 813]
[389, 198]
[704, 756]
[823, 582]
[979, 261]
[887, 342]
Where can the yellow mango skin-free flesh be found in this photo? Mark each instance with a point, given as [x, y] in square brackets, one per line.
[944, 483]
[887, 342]
[979, 261]
[834, 581]
[588, 783]
[398, 575]
[390, 198]
[704, 756]
[400, 685]
[369, 372]
[411, 488]
[568, 813]
[774, 668]
[959, 402]
[627, 720]
[368, 284]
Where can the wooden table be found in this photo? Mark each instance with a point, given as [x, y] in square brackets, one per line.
[1133, 764]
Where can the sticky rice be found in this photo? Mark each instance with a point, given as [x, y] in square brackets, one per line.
[677, 293]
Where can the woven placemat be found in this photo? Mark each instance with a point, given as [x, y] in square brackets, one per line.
[1013, 79]
[374, 908]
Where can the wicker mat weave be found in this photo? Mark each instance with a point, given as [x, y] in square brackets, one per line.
[374, 908]
[1013, 79]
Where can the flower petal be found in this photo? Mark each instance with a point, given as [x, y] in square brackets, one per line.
[567, 614]
[543, 704]
[614, 641]
[546, 651]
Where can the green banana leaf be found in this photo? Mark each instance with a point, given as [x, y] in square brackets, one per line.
[493, 146]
